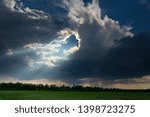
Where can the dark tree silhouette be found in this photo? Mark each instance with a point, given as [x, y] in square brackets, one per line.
[41, 87]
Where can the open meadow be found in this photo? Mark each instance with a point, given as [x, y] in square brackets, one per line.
[73, 95]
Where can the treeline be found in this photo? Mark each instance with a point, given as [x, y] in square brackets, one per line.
[41, 87]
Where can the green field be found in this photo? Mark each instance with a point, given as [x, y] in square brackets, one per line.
[68, 95]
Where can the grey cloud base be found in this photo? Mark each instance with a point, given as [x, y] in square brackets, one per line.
[130, 58]
[107, 50]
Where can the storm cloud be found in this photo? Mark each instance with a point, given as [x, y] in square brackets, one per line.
[71, 41]
[129, 58]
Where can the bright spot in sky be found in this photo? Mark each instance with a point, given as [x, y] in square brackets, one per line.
[53, 53]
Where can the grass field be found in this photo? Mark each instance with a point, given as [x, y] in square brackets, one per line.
[68, 95]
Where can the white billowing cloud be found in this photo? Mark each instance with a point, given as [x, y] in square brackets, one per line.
[79, 13]
[113, 31]
[88, 19]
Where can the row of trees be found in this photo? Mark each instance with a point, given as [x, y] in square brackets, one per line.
[41, 87]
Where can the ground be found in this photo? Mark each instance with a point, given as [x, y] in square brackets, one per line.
[75, 95]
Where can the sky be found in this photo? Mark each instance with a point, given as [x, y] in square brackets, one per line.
[104, 43]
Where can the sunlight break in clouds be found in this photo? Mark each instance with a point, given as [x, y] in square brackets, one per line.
[52, 53]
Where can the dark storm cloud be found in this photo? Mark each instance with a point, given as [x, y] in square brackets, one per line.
[16, 65]
[18, 29]
[131, 57]
[104, 52]
[128, 59]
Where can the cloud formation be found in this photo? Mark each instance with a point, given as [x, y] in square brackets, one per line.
[98, 35]
[76, 45]
[21, 25]
[129, 58]
[93, 28]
